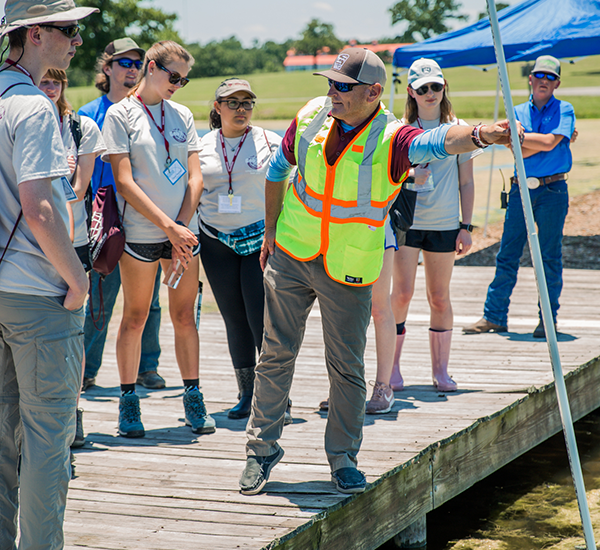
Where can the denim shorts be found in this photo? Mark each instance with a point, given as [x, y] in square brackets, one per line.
[432, 241]
[152, 252]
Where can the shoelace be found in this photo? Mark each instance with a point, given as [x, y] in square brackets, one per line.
[131, 411]
[196, 404]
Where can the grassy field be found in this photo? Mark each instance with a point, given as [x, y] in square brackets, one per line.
[280, 95]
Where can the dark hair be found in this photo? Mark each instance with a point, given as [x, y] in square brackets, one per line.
[102, 80]
[163, 52]
[214, 119]
[16, 38]
[411, 110]
[63, 105]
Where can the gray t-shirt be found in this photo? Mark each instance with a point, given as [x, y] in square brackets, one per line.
[129, 129]
[439, 209]
[31, 148]
[248, 178]
[91, 142]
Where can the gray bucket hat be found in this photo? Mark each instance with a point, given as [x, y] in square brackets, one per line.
[24, 13]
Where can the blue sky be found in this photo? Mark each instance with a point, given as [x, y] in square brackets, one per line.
[206, 20]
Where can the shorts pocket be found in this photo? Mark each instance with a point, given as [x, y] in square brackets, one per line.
[58, 365]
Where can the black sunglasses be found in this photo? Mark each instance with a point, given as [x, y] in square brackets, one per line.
[550, 77]
[174, 78]
[71, 31]
[435, 87]
[234, 105]
[343, 87]
[127, 63]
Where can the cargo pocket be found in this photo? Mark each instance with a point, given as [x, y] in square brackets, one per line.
[58, 366]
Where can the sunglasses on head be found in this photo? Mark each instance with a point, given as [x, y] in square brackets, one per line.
[174, 78]
[435, 87]
[127, 63]
[71, 31]
[550, 77]
[234, 104]
[343, 87]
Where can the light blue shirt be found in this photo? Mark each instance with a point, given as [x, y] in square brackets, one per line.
[556, 117]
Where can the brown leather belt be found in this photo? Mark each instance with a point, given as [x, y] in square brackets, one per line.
[546, 180]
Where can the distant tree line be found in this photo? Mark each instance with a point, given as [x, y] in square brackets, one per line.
[146, 25]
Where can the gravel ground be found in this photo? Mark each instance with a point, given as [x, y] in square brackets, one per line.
[581, 243]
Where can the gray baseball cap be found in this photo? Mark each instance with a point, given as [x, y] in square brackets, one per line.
[25, 13]
[356, 66]
[122, 45]
[423, 71]
[232, 85]
[547, 64]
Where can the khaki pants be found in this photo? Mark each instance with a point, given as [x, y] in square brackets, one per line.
[291, 288]
[41, 347]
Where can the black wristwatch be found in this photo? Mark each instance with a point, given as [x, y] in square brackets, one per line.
[466, 226]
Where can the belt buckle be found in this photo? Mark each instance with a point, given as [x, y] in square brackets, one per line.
[533, 183]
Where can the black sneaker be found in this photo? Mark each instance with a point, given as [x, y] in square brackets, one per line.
[349, 480]
[79, 440]
[151, 380]
[256, 473]
[540, 331]
[88, 383]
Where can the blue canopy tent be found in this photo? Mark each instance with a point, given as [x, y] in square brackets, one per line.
[562, 28]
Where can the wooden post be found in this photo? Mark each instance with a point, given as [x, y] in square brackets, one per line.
[414, 536]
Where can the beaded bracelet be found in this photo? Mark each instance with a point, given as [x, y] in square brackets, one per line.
[476, 137]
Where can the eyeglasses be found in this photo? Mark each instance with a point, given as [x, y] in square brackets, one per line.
[343, 87]
[174, 78]
[127, 63]
[71, 31]
[435, 87]
[234, 105]
[550, 77]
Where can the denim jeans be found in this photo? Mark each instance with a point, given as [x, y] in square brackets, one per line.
[550, 205]
[95, 339]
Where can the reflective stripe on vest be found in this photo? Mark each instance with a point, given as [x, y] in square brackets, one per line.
[363, 209]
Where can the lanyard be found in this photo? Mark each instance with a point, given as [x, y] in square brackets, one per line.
[20, 68]
[229, 167]
[160, 128]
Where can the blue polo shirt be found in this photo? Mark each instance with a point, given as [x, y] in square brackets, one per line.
[102, 175]
[556, 117]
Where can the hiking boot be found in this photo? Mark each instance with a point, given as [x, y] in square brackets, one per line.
[324, 405]
[245, 381]
[540, 331]
[382, 400]
[287, 417]
[256, 473]
[151, 380]
[482, 326]
[88, 383]
[130, 417]
[349, 480]
[195, 413]
[79, 440]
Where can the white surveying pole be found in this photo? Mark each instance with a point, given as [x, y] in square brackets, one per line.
[540, 277]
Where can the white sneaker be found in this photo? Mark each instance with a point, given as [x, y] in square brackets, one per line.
[382, 400]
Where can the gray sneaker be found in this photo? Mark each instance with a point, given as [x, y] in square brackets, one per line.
[256, 473]
[195, 413]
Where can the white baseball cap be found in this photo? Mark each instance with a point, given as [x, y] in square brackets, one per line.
[424, 71]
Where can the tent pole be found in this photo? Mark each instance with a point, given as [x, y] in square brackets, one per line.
[536, 256]
[487, 208]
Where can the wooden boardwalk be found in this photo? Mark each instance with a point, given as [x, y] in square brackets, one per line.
[173, 490]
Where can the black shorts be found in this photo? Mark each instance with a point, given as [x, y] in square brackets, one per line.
[83, 253]
[432, 241]
[152, 252]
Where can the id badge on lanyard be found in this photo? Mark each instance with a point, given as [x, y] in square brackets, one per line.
[230, 203]
[174, 171]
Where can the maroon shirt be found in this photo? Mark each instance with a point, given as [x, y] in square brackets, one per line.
[338, 140]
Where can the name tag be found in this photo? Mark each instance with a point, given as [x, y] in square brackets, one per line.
[69, 192]
[230, 204]
[174, 171]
